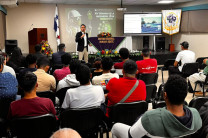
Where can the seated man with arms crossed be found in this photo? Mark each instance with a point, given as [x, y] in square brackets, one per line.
[174, 120]
[118, 88]
[30, 104]
[147, 65]
[85, 95]
[103, 79]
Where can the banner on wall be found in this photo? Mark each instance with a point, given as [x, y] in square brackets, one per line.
[171, 21]
[56, 26]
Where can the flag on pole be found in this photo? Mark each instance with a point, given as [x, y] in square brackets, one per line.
[171, 21]
[56, 26]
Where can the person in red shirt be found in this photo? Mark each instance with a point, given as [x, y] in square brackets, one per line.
[30, 104]
[118, 88]
[147, 65]
[124, 55]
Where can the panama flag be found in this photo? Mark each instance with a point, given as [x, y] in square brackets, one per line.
[56, 26]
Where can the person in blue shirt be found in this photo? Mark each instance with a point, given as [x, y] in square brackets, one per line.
[8, 83]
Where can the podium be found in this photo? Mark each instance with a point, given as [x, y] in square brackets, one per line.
[35, 36]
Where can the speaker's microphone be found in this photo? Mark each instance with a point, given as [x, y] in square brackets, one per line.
[30, 27]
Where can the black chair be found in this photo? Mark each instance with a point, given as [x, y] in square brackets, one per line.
[198, 102]
[201, 83]
[200, 61]
[127, 113]
[189, 69]
[159, 104]
[96, 74]
[148, 78]
[47, 94]
[33, 127]
[87, 121]
[150, 92]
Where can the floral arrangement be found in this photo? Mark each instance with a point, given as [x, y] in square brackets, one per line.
[103, 34]
[46, 49]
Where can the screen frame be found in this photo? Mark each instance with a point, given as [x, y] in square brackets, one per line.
[135, 34]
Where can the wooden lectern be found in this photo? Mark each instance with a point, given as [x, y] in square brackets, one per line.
[35, 36]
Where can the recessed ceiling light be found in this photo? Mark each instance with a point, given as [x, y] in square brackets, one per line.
[165, 1]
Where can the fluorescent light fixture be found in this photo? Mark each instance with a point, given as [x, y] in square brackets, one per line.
[165, 1]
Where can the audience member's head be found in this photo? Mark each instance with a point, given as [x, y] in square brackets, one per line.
[130, 68]
[43, 63]
[5, 57]
[61, 47]
[146, 52]
[37, 48]
[97, 63]
[83, 74]
[1, 63]
[124, 53]
[28, 81]
[175, 90]
[107, 63]
[31, 59]
[184, 45]
[66, 133]
[66, 59]
[74, 65]
[16, 56]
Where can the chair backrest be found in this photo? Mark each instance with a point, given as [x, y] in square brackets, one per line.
[150, 92]
[4, 107]
[148, 78]
[127, 113]
[200, 61]
[189, 69]
[33, 127]
[85, 120]
[168, 62]
[96, 74]
[47, 94]
[198, 102]
[159, 104]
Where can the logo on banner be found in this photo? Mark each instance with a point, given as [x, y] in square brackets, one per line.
[171, 21]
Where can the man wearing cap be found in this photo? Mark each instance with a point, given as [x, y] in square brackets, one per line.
[185, 56]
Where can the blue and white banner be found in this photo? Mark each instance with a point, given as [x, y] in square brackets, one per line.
[171, 21]
[56, 26]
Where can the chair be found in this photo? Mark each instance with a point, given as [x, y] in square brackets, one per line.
[189, 69]
[198, 102]
[87, 121]
[96, 74]
[201, 83]
[150, 92]
[148, 78]
[33, 127]
[200, 61]
[127, 113]
[47, 94]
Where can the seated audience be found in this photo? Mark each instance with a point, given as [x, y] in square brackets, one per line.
[31, 63]
[124, 55]
[147, 65]
[46, 82]
[97, 65]
[201, 76]
[70, 80]
[7, 68]
[85, 95]
[56, 57]
[59, 74]
[185, 56]
[103, 79]
[17, 60]
[8, 83]
[66, 133]
[38, 53]
[174, 120]
[118, 88]
[30, 104]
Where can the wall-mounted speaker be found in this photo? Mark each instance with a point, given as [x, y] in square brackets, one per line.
[146, 41]
[160, 43]
[10, 45]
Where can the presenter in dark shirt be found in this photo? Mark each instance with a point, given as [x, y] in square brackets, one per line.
[83, 42]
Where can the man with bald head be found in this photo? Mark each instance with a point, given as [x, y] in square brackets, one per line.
[66, 133]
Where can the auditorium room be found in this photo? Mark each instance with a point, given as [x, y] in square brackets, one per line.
[103, 68]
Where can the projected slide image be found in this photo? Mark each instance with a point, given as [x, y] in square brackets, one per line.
[151, 24]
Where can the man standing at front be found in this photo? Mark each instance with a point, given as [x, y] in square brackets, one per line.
[82, 40]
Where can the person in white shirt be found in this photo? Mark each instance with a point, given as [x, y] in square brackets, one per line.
[70, 80]
[103, 79]
[185, 56]
[85, 95]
